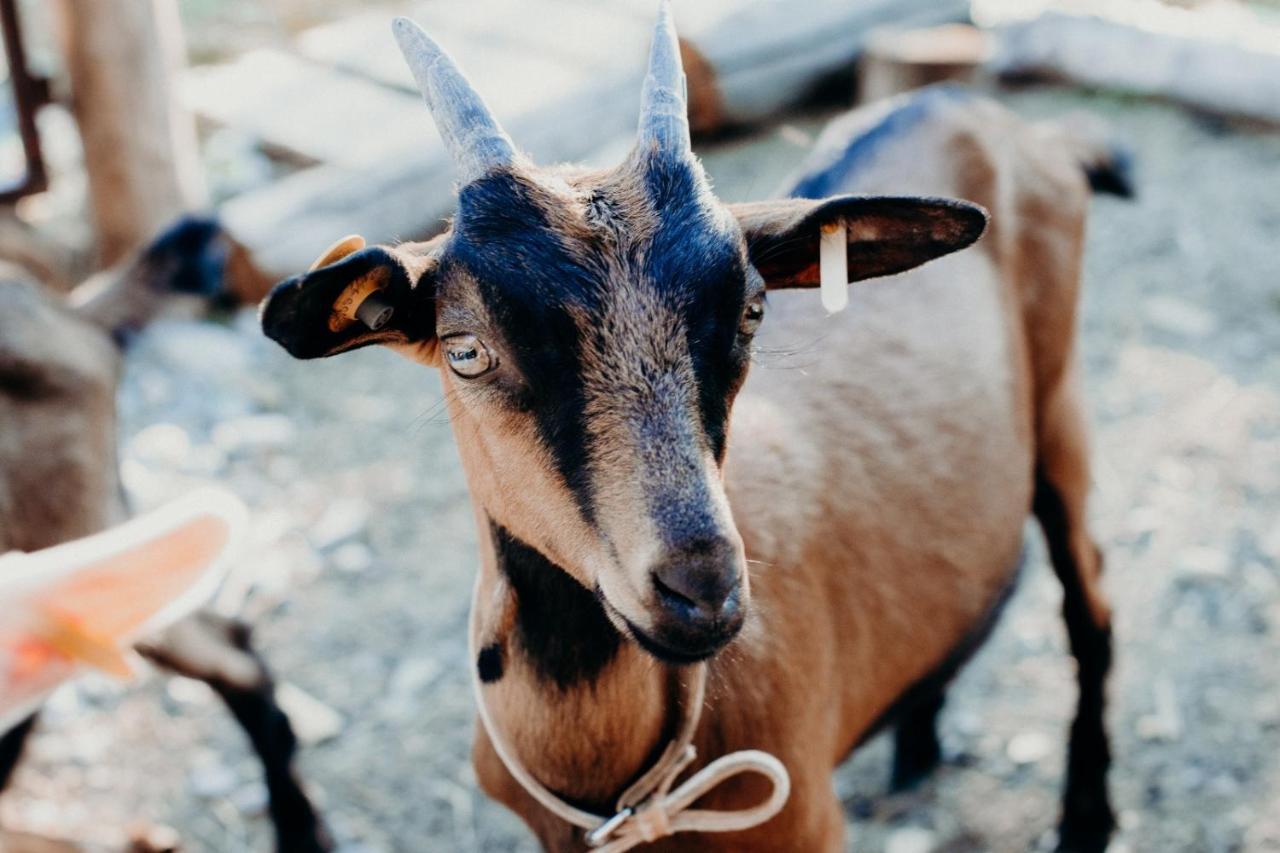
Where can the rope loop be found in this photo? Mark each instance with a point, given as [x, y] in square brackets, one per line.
[650, 810]
[669, 813]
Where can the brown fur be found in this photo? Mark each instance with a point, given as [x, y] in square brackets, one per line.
[880, 495]
[879, 489]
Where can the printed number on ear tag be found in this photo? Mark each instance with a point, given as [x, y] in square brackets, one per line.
[359, 301]
[834, 266]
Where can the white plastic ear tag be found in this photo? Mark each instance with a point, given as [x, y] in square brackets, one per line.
[833, 263]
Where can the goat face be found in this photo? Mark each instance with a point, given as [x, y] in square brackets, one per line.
[593, 330]
[608, 322]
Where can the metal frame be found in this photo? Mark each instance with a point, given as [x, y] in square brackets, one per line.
[30, 93]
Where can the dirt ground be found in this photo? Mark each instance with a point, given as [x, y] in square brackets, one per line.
[362, 554]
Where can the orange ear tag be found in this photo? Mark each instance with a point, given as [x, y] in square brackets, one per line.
[833, 260]
[84, 603]
[359, 300]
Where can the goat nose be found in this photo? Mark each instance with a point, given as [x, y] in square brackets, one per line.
[699, 585]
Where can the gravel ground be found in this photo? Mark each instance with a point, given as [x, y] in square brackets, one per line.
[359, 569]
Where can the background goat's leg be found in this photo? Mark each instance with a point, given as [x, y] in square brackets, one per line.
[916, 750]
[219, 652]
[1062, 484]
[11, 743]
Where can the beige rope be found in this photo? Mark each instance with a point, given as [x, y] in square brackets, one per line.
[650, 809]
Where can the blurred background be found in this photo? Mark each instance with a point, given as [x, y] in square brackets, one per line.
[296, 123]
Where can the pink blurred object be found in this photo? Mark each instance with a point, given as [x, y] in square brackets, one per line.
[84, 603]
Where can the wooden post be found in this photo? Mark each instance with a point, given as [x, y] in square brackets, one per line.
[897, 61]
[139, 146]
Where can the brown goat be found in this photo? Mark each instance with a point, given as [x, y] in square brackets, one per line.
[833, 541]
[59, 368]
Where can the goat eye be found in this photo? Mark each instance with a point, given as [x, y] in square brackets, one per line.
[468, 356]
[752, 315]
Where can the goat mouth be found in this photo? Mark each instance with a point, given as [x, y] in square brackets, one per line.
[668, 654]
[679, 655]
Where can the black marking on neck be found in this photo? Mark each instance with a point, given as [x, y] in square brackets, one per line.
[560, 626]
[489, 663]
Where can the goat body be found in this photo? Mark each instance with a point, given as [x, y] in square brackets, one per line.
[60, 365]
[880, 474]
[832, 538]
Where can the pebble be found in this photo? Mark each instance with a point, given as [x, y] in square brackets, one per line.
[1165, 721]
[188, 691]
[1028, 747]
[254, 432]
[313, 721]
[1205, 562]
[251, 799]
[910, 839]
[352, 558]
[412, 676]
[163, 443]
[1178, 316]
[212, 780]
[343, 518]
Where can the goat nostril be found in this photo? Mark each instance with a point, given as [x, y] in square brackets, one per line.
[671, 596]
[696, 593]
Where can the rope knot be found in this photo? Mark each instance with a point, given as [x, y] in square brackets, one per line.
[652, 821]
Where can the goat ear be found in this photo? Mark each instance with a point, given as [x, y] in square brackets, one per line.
[886, 234]
[351, 299]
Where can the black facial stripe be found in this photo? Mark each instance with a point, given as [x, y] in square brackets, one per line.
[560, 626]
[671, 446]
[698, 264]
[526, 274]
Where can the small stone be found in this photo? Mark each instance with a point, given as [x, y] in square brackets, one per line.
[909, 839]
[412, 676]
[343, 519]
[1167, 718]
[352, 558]
[1028, 748]
[213, 780]
[1171, 314]
[187, 691]
[166, 444]
[797, 136]
[313, 721]
[1205, 562]
[251, 799]
[254, 432]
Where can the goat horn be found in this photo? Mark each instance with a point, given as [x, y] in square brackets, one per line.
[473, 137]
[664, 109]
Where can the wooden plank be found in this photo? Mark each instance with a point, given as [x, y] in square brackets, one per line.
[765, 55]
[285, 225]
[555, 89]
[896, 61]
[139, 149]
[316, 112]
[1178, 60]
[551, 36]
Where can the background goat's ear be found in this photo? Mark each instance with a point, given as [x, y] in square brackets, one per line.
[313, 315]
[887, 235]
